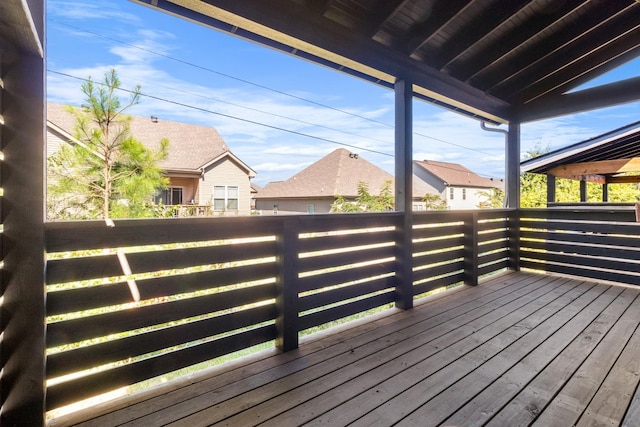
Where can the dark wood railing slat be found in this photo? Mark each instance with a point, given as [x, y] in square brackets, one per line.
[87, 298]
[71, 391]
[84, 328]
[139, 344]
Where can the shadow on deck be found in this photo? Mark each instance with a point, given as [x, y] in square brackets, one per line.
[519, 349]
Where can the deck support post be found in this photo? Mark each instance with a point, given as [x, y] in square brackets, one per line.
[287, 289]
[22, 310]
[404, 192]
[471, 250]
[551, 189]
[512, 166]
[512, 180]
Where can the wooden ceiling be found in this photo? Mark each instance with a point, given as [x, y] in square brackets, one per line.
[499, 60]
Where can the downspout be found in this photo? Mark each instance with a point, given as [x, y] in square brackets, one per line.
[484, 126]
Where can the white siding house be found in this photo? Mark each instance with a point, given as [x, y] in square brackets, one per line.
[457, 185]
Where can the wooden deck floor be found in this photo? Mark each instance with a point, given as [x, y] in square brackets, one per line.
[520, 349]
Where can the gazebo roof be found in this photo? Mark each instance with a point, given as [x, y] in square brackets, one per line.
[496, 60]
[613, 157]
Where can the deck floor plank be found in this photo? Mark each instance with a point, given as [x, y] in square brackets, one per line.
[519, 349]
[567, 359]
[610, 403]
[515, 363]
[562, 391]
[464, 376]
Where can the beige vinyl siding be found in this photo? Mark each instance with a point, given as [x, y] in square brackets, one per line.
[228, 173]
[54, 142]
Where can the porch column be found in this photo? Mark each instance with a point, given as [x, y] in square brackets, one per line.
[22, 315]
[512, 192]
[512, 167]
[404, 192]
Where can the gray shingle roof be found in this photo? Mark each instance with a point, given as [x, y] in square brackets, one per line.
[190, 146]
[454, 174]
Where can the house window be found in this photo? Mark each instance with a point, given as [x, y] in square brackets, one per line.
[225, 197]
[464, 194]
[311, 208]
[450, 193]
[170, 196]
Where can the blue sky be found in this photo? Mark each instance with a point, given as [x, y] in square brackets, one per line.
[208, 77]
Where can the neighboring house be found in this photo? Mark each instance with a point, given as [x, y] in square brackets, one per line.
[314, 189]
[201, 169]
[460, 187]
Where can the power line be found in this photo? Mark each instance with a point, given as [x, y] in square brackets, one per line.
[233, 117]
[269, 89]
[182, 61]
[270, 113]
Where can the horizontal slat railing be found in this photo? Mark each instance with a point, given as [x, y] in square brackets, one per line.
[444, 240]
[594, 243]
[144, 298]
[346, 266]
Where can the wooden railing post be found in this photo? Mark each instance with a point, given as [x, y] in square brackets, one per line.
[471, 250]
[514, 239]
[287, 286]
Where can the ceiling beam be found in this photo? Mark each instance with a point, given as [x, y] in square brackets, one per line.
[591, 63]
[603, 167]
[507, 78]
[482, 64]
[442, 12]
[625, 179]
[597, 179]
[384, 11]
[476, 29]
[606, 95]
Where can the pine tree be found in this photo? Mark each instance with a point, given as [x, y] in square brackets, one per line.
[106, 172]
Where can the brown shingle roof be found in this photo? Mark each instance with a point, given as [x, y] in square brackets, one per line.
[190, 146]
[338, 173]
[454, 174]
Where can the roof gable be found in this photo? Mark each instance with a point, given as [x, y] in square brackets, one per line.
[621, 143]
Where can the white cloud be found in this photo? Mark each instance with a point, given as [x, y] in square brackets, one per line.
[83, 10]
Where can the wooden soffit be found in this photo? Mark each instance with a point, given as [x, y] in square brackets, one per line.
[603, 172]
